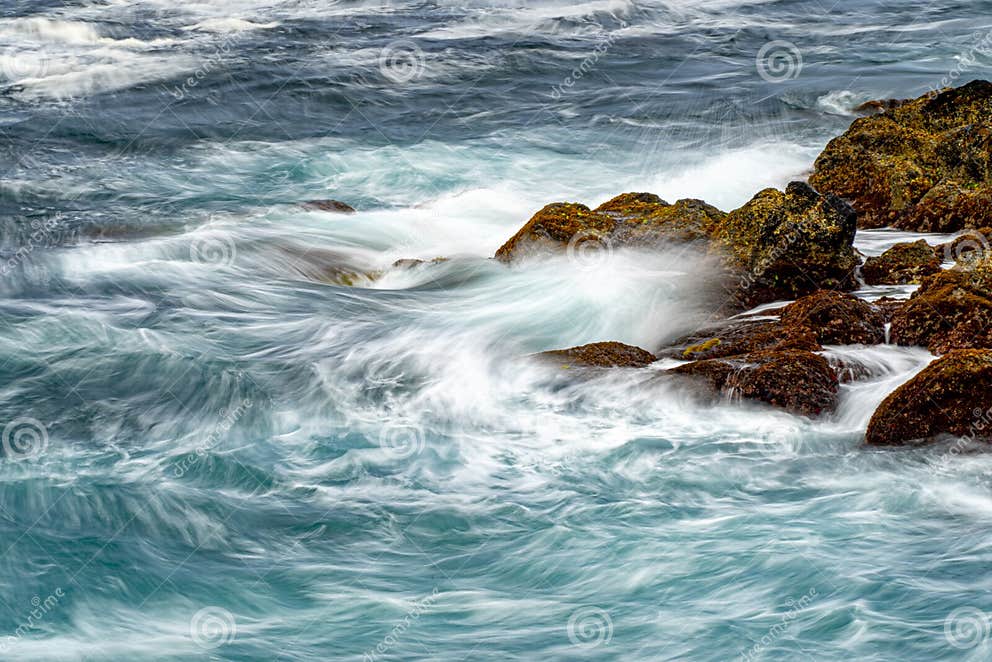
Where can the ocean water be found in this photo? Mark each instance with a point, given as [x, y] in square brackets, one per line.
[232, 430]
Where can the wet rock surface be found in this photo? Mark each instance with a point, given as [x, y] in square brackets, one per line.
[600, 355]
[952, 396]
[923, 165]
[905, 263]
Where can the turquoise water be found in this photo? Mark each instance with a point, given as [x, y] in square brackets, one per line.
[214, 449]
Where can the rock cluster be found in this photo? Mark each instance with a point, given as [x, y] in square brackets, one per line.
[923, 165]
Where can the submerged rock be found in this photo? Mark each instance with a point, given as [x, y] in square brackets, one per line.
[903, 264]
[798, 381]
[953, 395]
[923, 165]
[786, 245]
[601, 355]
[335, 206]
[628, 220]
[951, 310]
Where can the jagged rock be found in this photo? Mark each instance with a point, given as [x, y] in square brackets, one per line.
[795, 380]
[600, 355]
[905, 263]
[953, 396]
[951, 310]
[786, 245]
[644, 219]
[556, 227]
[836, 319]
[923, 165]
[335, 206]
[628, 220]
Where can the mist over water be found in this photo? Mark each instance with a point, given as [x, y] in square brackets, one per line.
[234, 430]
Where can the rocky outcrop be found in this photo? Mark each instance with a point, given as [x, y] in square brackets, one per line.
[952, 396]
[903, 264]
[639, 220]
[742, 337]
[797, 381]
[600, 355]
[923, 165]
[785, 245]
[966, 248]
[951, 310]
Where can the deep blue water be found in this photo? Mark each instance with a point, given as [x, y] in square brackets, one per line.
[220, 443]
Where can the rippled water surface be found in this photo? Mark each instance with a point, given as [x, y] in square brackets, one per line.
[233, 430]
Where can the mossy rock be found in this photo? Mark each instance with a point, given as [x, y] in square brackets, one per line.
[951, 310]
[951, 396]
[600, 355]
[903, 264]
[784, 245]
[923, 165]
[836, 318]
[742, 337]
[555, 227]
[797, 381]
[640, 220]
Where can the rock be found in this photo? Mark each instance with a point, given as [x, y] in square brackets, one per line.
[556, 227]
[876, 106]
[951, 310]
[628, 220]
[795, 380]
[953, 396]
[644, 219]
[787, 245]
[902, 264]
[335, 206]
[923, 165]
[836, 319]
[601, 355]
[409, 263]
[741, 337]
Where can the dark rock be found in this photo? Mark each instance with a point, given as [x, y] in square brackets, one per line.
[741, 337]
[601, 355]
[836, 319]
[923, 165]
[952, 396]
[787, 245]
[795, 380]
[335, 206]
[905, 263]
[967, 248]
[951, 310]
